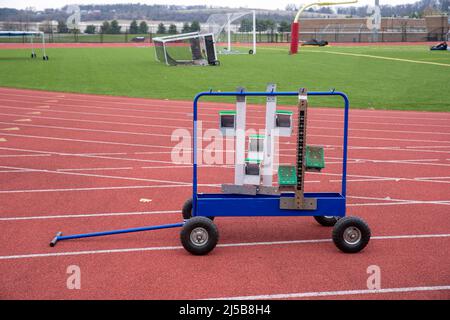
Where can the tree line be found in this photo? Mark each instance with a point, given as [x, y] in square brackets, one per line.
[107, 27]
[113, 27]
[193, 27]
[201, 13]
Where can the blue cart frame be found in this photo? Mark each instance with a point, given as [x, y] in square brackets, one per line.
[231, 205]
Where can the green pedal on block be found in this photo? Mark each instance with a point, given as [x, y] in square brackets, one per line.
[287, 176]
[315, 161]
[315, 158]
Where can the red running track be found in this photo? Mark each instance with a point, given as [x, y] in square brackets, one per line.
[80, 163]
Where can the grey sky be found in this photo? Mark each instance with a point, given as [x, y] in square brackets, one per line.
[262, 4]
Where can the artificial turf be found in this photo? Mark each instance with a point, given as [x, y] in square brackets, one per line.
[370, 82]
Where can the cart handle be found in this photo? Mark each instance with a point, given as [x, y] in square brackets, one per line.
[267, 94]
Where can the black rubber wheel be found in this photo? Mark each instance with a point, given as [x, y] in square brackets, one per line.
[351, 234]
[250, 52]
[199, 236]
[45, 58]
[187, 210]
[326, 221]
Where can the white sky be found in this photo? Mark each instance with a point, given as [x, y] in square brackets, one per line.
[258, 4]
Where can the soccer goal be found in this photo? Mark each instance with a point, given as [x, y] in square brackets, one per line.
[186, 49]
[238, 28]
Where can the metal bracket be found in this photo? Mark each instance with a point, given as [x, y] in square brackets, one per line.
[271, 87]
[240, 98]
[250, 190]
[293, 204]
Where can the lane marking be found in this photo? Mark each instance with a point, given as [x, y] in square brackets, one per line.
[95, 169]
[37, 112]
[187, 127]
[169, 147]
[385, 203]
[379, 178]
[111, 214]
[334, 293]
[227, 245]
[109, 188]
[327, 114]
[11, 129]
[23, 155]
[144, 200]
[23, 120]
[380, 57]
[444, 202]
[96, 175]
[155, 103]
[95, 130]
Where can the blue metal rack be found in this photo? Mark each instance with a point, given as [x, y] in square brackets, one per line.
[238, 205]
[199, 234]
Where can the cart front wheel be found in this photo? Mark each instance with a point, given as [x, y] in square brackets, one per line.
[351, 234]
[187, 210]
[199, 236]
[326, 221]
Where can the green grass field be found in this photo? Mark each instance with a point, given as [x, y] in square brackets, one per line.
[385, 77]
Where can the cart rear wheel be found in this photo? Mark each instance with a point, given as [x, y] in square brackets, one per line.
[199, 235]
[351, 234]
[187, 210]
[326, 221]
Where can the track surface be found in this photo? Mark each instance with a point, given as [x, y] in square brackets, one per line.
[79, 163]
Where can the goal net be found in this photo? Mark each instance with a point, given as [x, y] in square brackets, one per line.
[237, 28]
[186, 49]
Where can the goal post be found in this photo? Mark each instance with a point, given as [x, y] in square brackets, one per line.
[186, 49]
[221, 25]
[295, 27]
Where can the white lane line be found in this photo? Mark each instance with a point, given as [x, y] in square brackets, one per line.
[171, 147]
[188, 127]
[111, 214]
[109, 188]
[23, 155]
[396, 179]
[383, 131]
[432, 178]
[227, 245]
[334, 293]
[377, 204]
[155, 104]
[96, 175]
[178, 211]
[214, 115]
[211, 115]
[86, 155]
[389, 199]
[380, 57]
[95, 169]
[96, 130]
[88, 141]
[427, 147]
[97, 155]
